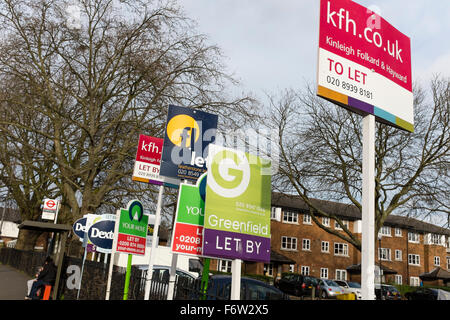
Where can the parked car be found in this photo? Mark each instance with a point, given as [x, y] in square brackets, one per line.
[428, 294]
[297, 284]
[219, 288]
[387, 292]
[329, 289]
[350, 287]
[163, 272]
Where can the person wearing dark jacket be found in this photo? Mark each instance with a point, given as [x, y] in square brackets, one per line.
[47, 276]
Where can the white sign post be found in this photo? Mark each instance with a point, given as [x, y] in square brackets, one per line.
[368, 210]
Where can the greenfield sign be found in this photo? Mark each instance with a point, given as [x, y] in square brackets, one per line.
[237, 206]
[132, 229]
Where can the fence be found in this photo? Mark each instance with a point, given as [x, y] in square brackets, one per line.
[95, 276]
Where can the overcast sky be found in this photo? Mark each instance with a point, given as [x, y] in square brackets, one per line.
[272, 44]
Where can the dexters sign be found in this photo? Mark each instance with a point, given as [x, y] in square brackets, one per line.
[187, 136]
[101, 233]
[364, 63]
[237, 205]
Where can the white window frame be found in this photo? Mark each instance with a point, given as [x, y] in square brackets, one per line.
[414, 281]
[324, 273]
[341, 274]
[398, 279]
[224, 265]
[325, 247]
[385, 231]
[414, 259]
[288, 243]
[326, 221]
[307, 219]
[290, 217]
[341, 249]
[398, 232]
[413, 237]
[398, 255]
[437, 261]
[384, 254]
[338, 227]
[306, 244]
[304, 270]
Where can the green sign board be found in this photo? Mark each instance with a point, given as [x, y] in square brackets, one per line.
[132, 229]
[238, 203]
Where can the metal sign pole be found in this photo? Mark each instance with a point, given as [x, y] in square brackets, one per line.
[154, 244]
[236, 279]
[368, 210]
[113, 251]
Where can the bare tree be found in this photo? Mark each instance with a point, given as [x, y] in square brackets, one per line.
[97, 74]
[321, 154]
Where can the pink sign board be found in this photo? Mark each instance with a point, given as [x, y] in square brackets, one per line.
[364, 63]
[148, 161]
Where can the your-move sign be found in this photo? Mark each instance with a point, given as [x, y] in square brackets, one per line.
[364, 63]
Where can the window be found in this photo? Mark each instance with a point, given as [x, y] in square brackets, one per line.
[414, 281]
[384, 254]
[324, 273]
[292, 268]
[340, 249]
[268, 269]
[413, 237]
[290, 217]
[398, 255]
[398, 232]
[448, 262]
[385, 231]
[325, 246]
[435, 239]
[338, 227]
[306, 244]
[398, 279]
[414, 259]
[305, 270]
[288, 243]
[437, 261]
[341, 274]
[224, 266]
[306, 218]
[326, 221]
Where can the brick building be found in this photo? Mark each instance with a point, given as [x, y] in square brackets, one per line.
[406, 248]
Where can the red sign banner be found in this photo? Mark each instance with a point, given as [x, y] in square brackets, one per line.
[364, 63]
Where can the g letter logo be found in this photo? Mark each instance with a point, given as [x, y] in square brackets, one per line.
[230, 171]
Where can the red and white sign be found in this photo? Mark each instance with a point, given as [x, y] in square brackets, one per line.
[130, 244]
[50, 209]
[148, 162]
[50, 204]
[187, 239]
[148, 159]
[364, 63]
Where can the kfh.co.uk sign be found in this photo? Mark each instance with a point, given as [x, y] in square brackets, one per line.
[364, 63]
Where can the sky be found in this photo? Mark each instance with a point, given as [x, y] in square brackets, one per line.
[272, 44]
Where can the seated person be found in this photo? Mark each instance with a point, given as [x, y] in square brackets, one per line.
[46, 277]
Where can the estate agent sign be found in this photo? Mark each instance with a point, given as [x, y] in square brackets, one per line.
[237, 206]
[364, 63]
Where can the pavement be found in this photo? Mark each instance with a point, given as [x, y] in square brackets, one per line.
[13, 283]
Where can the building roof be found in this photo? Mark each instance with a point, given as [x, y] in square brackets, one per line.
[11, 215]
[435, 274]
[351, 212]
[279, 258]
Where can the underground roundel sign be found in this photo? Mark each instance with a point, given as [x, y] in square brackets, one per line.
[132, 234]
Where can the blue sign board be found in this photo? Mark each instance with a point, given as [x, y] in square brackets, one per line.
[187, 136]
